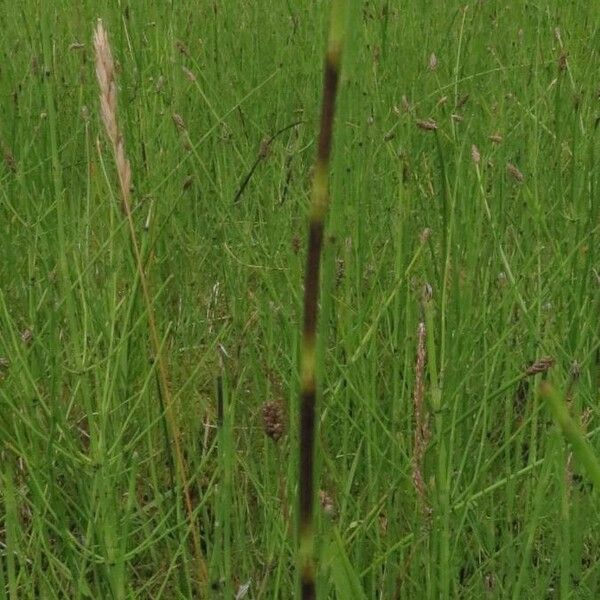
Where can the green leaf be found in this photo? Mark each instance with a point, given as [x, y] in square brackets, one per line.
[345, 578]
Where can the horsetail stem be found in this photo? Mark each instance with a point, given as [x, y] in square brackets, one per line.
[318, 212]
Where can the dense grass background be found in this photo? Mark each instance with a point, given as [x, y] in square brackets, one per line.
[87, 506]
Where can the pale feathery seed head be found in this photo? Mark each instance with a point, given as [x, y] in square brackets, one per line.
[105, 72]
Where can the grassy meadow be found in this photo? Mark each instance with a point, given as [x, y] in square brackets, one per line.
[461, 271]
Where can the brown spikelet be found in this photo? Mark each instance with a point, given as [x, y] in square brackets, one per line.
[496, 138]
[265, 147]
[182, 48]
[27, 336]
[340, 271]
[558, 35]
[421, 427]
[425, 235]
[427, 125]
[575, 371]
[179, 122]
[515, 173]
[475, 155]
[433, 62]
[562, 61]
[296, 243]
[190, 76]
[9, 158]
[376, 55]
[327, 504]
[273, 419]
[541, 365]
[462, 101]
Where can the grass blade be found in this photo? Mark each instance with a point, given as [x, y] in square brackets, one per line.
[318, 211]
[574, 435]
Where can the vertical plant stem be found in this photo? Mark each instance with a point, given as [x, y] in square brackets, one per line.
[318, 211]
[108, 99]
[442, 516]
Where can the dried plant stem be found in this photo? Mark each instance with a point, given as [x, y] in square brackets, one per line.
[105, 72]
[318, 211]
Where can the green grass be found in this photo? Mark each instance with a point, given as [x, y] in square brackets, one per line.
[88, 508]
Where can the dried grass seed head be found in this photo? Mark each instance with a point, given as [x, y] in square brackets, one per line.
[273, 419]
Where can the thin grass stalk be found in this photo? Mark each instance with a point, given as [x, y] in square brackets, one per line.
[441, 529]
[421, 425]
[318, 212]
[105, 72]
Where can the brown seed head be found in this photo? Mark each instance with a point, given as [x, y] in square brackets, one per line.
[160, 83]
[327, 504]
[462, 101]
[265, 147]
[420, 418]
[541, 365]
[562, 61]
[273, 419]
[427, 292]
[433, 62]
[9, 159]
[296, 243]
[557, 35]
[190, 76]
[575, 370]
[179, 122]
[182, 48]
[515, 173]
[427, 125]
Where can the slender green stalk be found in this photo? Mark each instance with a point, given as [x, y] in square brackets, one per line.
[442, 529]
[318, 211]
[108, 99]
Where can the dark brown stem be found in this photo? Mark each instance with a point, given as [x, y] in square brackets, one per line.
[318, 211]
